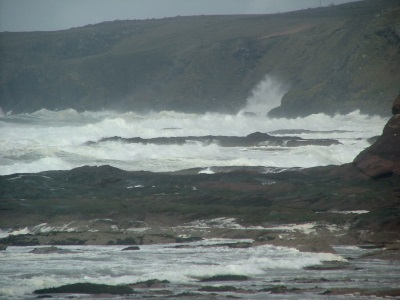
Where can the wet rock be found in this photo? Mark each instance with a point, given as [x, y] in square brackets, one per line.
[3, 247]
[329, 265]
[362, 292]
[225, 278]
[88, 288]
[396, 106]
[152, 283]
[371, 246]
[189, 239]
[50, 250]
[131, 248]
[251, 140]
[382, 158]
[279, 289]
[380, 226]
[226, 288]
[373, 139]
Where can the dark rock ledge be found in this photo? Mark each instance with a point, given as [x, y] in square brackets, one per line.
[167, 202]
[252, 140]
[87, 288]
[383, 157]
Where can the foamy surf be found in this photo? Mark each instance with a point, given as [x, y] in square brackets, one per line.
[183, 266]
[56, 140]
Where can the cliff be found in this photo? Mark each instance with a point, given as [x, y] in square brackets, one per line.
[333, 60]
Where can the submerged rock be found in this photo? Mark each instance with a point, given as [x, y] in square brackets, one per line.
[152, 283]
[87, 288]
[279, 289]
[329, 265]
[49, 250]
[226, 288]
[131, 248]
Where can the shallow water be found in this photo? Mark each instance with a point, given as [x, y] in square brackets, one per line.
[48, 140]
[22, 272]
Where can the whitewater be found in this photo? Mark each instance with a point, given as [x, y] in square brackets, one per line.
[22, 271]
[58, 140]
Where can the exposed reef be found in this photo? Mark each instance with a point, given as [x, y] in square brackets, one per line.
[251, 140]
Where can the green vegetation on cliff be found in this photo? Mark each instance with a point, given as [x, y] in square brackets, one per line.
[334, 59]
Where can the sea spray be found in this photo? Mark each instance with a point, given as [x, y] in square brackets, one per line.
[48, 140]
[265, 96]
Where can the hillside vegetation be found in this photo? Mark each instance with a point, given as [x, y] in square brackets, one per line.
[333, 60]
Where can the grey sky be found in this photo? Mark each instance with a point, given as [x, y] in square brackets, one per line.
[32, 15]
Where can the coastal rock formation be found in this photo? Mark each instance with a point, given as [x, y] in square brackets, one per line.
[252, 140]
[88, 288]
[396, 106]
[49, 250]
[379, 161]
[382, 158]
[131, 248]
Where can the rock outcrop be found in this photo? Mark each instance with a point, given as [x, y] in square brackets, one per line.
[50, 250]
[252, 140]
[88, 288]
[382, 158]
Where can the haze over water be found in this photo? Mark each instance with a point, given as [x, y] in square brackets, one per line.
[58, 140]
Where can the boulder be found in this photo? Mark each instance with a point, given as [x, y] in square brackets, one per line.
[382, 158]
[131, 248]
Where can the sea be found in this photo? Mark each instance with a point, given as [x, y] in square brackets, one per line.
[60, 140]
[65, 139]
[266, 267]
[22, 272]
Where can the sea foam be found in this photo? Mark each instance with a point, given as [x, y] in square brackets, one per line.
[47, 140]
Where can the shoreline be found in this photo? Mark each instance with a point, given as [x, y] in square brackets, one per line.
[317, 281]
[306, 237]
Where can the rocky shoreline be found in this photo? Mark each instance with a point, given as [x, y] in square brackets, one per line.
[356, 203]
[312, 210]
[251, 140]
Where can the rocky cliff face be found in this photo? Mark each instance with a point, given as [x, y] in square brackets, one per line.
[334, 60]
[383, 157]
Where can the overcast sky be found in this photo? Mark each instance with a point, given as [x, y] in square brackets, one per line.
[32, 15]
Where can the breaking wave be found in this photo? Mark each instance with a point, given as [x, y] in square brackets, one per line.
[50, 140]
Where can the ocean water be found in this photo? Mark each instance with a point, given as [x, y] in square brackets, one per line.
[22, 272]
[56, 140]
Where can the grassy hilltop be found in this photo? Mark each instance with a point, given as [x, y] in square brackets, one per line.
[334, 59]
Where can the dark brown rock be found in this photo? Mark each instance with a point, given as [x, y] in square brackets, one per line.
[131, 248]
[382, 158]
[396, 106]
[88, 288]
[253, 139]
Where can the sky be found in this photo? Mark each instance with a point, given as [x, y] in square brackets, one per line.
[50, 15]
